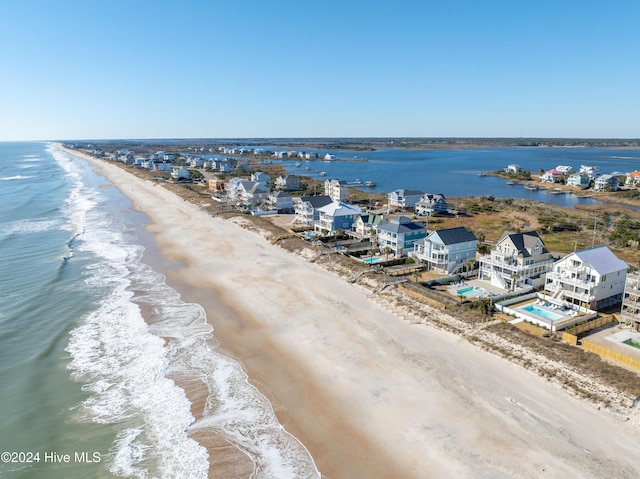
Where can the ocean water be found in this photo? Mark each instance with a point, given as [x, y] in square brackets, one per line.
[91, 337]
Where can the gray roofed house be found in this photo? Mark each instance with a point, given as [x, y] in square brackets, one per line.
[446, 250]
[306, 209]
[403, 198]
[399, 234]
[518, 259]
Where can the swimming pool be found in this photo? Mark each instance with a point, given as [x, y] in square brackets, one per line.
[373, 259]
[632, 342]
[308, 234]
[469, 291]
[550, 315]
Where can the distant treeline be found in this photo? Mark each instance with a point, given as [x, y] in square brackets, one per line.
[365, 144]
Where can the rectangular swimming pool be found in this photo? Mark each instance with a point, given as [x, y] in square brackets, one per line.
[372, 260]
[550, 315]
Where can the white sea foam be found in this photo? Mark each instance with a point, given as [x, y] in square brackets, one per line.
[32, 226]
[15, 177]
[126, 364]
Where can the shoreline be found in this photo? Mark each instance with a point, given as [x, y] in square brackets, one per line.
[367, 394]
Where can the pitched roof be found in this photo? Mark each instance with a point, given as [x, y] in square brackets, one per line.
[338, 208]
[402, 224]
[524, 242]
[602, 259]
[316, 201]
[403, 192]
[454, 235]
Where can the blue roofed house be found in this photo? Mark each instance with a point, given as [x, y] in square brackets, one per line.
[400, 234]
[606, 182]
[260, 177]
[403, 198]
[593, 278]
[336, 216]
[446, 250]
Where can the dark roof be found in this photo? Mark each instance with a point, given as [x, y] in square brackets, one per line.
[402, 227]
[317, 201]
[455, 235]
[524, 242]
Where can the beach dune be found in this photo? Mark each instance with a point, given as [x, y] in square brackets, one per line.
[368, 395]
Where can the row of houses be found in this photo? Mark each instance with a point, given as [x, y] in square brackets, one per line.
[592, 278]
[581, 178]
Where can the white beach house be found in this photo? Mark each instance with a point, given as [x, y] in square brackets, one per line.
[336, 216]
[336, 189]
[593, 278]
[518, 259]
[429, 204]
[307, 209]
[403, 198]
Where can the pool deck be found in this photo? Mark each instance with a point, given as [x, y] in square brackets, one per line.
[474, 283]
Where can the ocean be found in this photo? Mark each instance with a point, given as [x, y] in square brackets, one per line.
[92, 338]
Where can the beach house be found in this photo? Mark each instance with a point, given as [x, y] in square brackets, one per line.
[429, 204]
[632, 179]
[280, 201]
[518, 259]
[336, 189]
[288, 183]
[306, 209]
[580, 180]
[366, 226]
[513, 169]
[180, 173]
[252, 193]
[399, 235]
[260, 177]
[336, 216]
[606, 182]
[593, 278]
[551, 176]
[630, 312]
[403, 198]
[447, 250]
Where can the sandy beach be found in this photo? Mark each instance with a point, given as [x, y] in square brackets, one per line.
[368, 395]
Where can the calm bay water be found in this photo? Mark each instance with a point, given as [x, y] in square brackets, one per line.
[454, 173]
[90, 336]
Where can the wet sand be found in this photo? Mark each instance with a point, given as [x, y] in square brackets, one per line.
[369, 395]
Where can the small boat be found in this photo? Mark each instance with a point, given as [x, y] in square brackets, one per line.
[298, 164]
[482, 173]
[511, 183]
[557, 191]
[323, 173]
[531, 187]
[370, 183]
[307, 168]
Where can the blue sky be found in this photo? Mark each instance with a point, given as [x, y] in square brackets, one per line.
[279, 68]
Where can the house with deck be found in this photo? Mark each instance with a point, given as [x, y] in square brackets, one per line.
[280, 201]
[336, 216]
[429, 204]
[399, 235]
[336, 189]
[260, 177]
[307, 209]
[632, 179]
[447, 250]
[552, 176]
[518, 260]
[180, 173]
[606, 182]
[366, 226]
[288, 183]
[580, 180]
[403, 198]
[593, 278]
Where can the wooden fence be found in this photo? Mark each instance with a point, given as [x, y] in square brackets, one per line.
[596, 323]
[610, 354]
